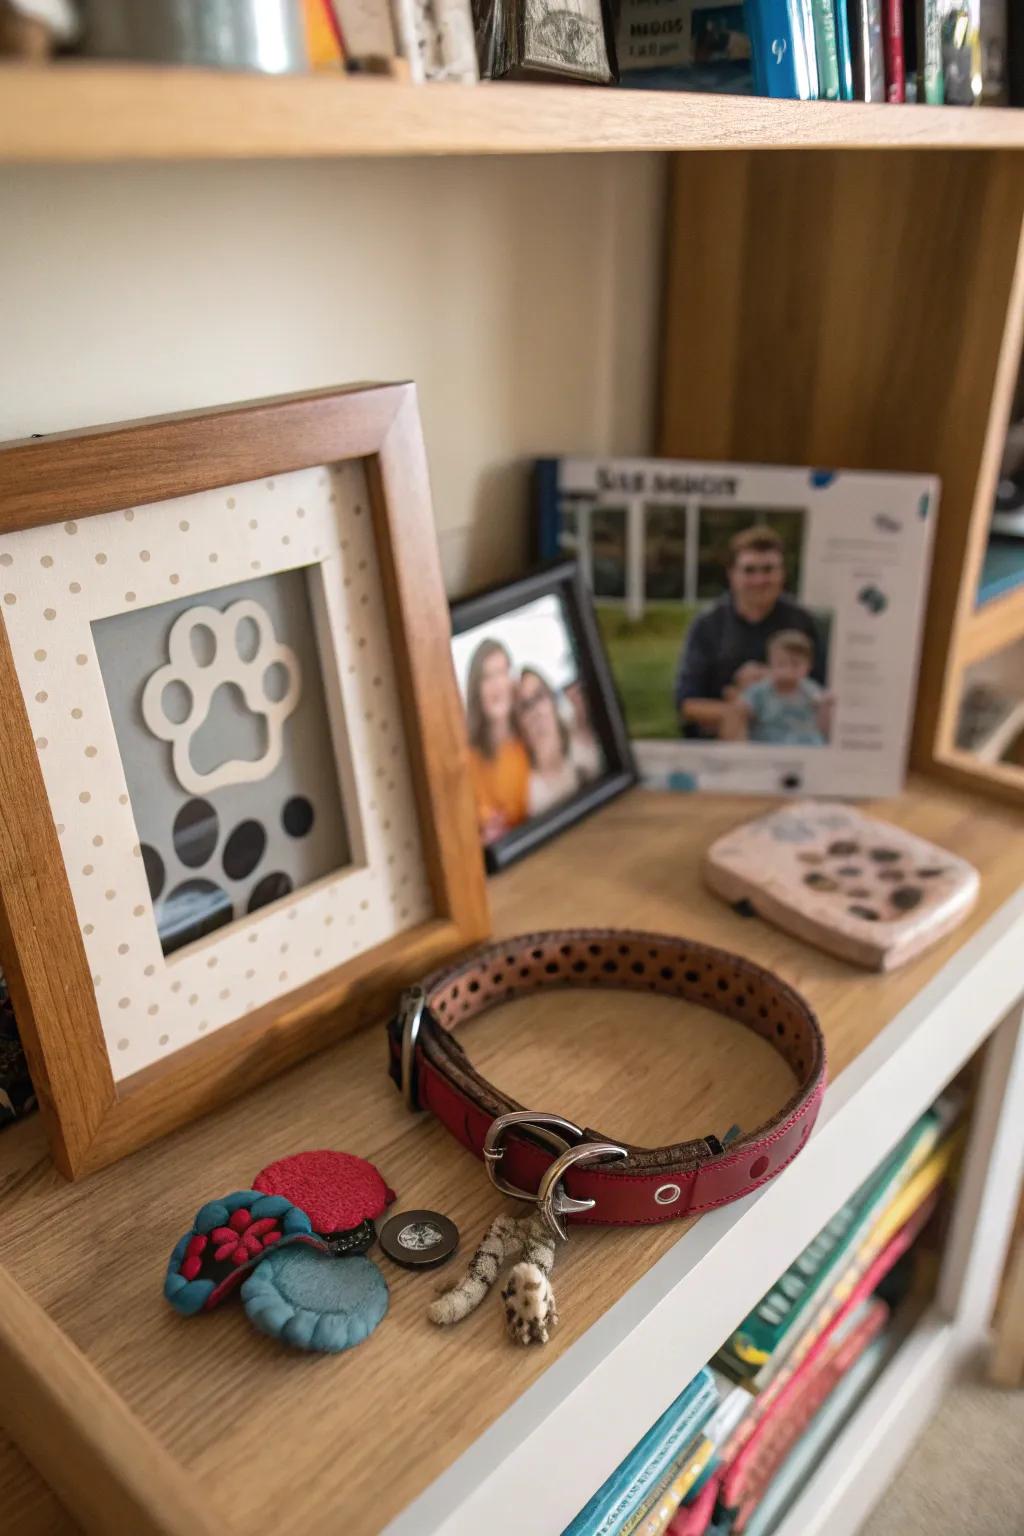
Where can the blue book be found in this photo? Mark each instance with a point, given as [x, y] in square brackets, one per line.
[844, 51]
[777, 40]
[634, 1478]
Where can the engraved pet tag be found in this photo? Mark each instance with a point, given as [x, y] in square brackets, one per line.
[419, 1239]
[858, 887]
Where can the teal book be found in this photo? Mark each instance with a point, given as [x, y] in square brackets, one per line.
[825, 47]
[636, 1477]
[845, 57]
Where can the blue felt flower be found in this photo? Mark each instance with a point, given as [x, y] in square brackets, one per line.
[314, 1301]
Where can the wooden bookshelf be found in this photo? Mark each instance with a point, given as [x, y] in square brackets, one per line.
[992, 627]
[205, 1400]
[75, 113]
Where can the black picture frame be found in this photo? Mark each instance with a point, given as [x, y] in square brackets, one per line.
[562, 580]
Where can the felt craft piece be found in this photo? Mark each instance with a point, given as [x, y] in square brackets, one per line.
[314, 1301]
[228, 1238]
[338, 1191]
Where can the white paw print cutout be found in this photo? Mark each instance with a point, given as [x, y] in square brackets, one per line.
[201, 670]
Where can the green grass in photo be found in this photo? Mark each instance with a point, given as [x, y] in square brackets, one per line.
[644, 654]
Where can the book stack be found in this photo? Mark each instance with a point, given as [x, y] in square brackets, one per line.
[735, 1447]
[936, 51]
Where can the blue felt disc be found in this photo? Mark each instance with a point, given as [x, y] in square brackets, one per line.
[314, 1301]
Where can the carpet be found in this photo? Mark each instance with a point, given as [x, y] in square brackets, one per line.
[965, 1475]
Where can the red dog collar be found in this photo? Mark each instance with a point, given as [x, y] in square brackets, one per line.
[580, 1174]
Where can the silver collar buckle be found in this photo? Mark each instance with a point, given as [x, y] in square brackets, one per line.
[566, 1140]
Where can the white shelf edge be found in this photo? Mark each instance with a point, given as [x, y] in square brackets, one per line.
[862, 1460]
[543, 1458]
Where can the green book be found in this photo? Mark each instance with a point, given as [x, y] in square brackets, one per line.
[931, 83]
[826, 49]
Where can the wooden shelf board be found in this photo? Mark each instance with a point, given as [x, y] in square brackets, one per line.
[993, 626]
[98, 112]
[363, 1435]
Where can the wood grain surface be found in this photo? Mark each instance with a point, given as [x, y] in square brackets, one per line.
[96, 112]
[344, 1443]
[82, 1436]
[30, 1506]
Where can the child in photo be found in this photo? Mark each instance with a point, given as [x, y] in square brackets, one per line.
[786, 707]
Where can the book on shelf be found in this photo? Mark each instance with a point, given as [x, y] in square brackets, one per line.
[844, 55]
[896, 1226]
[930, 87]
[690, 1470]
[993, 40]
[639, 1474]
[774, 1411]
[826, 49]
[323, 35]
[778, 42]
[368, 36]
[799, 1465]
[747, 1482]
[960, 25]
[895, 59]
[868, 50]
[806, 17]
[1015, 53]
[437, 39]
[684, 45]
[758, 1347]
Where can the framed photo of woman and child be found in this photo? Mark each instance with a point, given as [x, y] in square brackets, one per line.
[547, 740]
[763, 625]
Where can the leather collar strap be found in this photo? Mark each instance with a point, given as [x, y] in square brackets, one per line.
[645, 1185]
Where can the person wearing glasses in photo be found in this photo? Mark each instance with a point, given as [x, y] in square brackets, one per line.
[561, 759]
[726, 649]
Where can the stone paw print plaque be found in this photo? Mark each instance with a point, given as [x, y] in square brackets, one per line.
[856, 886]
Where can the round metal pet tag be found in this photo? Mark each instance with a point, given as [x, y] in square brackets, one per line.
[419, 1239]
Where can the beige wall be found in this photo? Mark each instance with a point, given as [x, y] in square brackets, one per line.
[520, 294]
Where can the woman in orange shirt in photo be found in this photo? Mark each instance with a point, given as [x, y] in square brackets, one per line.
[498, 765]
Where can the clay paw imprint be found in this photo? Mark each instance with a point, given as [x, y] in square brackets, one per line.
[207, 649]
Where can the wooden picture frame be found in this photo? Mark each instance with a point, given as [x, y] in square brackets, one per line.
[560, 581]
[93, 1117]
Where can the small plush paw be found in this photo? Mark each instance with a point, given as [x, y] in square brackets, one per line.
[530, 1312]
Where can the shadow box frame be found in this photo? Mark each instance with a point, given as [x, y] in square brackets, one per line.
[92, 1119]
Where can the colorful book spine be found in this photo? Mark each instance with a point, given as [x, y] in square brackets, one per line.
[868, 50]
[806, 8]
[778, 1435]
[895, 61]
[931, 87]
[845, 57]
[632, 1481]
[660, 1511]
[760, 1343]
[778, 49]
[826, 50]
[800, 1465]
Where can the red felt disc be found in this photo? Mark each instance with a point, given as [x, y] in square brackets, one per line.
[335, 1189]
